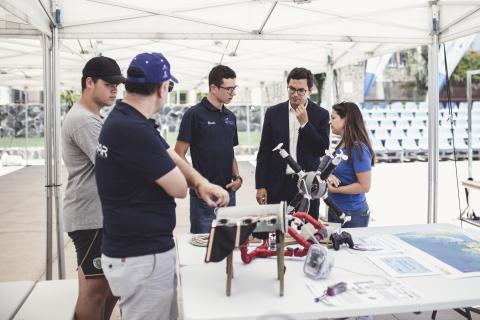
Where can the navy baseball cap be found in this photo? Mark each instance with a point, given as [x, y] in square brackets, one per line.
[104, 68]
[155, 67]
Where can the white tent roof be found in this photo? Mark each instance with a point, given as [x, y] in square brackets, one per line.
[196, 35]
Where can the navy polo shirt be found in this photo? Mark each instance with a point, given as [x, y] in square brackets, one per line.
[138, 215]
[212, 134]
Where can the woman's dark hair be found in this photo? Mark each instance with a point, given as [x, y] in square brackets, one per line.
[299, 74]
[218, 73]
[354, 131]
[144, 89]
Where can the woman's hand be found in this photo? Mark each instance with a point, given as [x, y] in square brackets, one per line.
[333, 181]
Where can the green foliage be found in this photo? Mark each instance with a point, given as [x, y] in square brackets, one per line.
[417, 65]
[68, 98]
[201, 95]
[470, 61]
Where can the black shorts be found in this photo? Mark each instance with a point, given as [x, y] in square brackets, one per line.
[88, 244]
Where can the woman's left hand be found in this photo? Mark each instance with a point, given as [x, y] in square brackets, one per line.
[333, 181]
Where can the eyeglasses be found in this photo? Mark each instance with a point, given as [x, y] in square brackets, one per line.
[230, 90]
[171, 84]
[301, 91]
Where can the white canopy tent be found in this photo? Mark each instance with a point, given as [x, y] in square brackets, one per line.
[195, 35]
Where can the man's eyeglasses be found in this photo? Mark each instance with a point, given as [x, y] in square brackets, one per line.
[230, 90]
[171, 84]
[301, 91]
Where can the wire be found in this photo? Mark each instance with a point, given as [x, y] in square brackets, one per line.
[449, 103]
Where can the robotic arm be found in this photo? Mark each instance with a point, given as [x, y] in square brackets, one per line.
[313, 185]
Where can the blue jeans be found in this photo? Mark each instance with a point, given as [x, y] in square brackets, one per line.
[360, 217]
[202, 215]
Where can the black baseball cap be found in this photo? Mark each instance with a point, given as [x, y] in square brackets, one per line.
[104, 68]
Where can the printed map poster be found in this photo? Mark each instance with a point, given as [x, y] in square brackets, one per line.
[459, 254]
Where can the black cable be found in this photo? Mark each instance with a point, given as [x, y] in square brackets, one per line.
[449, 103]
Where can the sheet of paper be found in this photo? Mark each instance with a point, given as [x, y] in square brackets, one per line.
[404, 266]
[383, 244]
[366, 290]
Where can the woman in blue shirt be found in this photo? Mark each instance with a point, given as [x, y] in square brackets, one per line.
[352, 178]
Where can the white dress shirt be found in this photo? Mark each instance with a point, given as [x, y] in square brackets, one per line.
[293, 128]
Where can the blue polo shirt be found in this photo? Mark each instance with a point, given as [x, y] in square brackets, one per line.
[212, 134]
[138, 215]
[359, 161]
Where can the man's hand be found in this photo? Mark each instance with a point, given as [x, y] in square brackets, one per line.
[262, 196]
[301, 113]
[213, 195]
[234, 185]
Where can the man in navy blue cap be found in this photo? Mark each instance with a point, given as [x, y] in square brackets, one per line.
[138, 177]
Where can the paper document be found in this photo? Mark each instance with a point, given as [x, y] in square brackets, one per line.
[367, 290]
[383, 244]
[404, 266]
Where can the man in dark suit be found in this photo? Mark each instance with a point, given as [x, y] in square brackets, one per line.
[303, 128]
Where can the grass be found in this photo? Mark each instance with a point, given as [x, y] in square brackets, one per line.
[21, 142]
[171, 139]
[242, 138]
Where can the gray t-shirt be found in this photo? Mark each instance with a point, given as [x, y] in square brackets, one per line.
[81, 206]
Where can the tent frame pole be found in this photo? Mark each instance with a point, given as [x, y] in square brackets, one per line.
[433, 102]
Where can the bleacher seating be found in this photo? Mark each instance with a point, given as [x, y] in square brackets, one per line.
[387, 123]
[414, 133]
[407, 115]
[421, 114]
[410, 148]
[418, 123]
[393, 149]
[371, 123]
[397, 133]
[378, 147]
[381, 133]
[399, 130]
[444, 146]
[411, 106]
[397, 106]
[391, 114]
[402, 123]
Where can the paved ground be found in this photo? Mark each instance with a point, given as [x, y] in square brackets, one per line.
[398, 196]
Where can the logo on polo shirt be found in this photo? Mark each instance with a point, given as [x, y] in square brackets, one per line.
[211, 122]
[102, 151]
[229, 122]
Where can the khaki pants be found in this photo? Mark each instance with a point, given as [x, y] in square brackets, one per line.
[146, 285]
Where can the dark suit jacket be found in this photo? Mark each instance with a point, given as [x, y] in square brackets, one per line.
[313, 140]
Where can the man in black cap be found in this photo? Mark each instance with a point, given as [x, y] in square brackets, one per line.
[82, 209]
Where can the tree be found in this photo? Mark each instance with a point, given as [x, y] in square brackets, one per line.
[68, 98]
[470, 61]
[417, 66]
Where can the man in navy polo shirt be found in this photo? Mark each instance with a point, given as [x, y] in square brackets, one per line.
[138, 176]
[210, 130]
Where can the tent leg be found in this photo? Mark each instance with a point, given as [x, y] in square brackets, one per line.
[433, 101]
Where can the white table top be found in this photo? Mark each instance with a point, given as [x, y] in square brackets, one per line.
[255, 290]
[12, 295]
